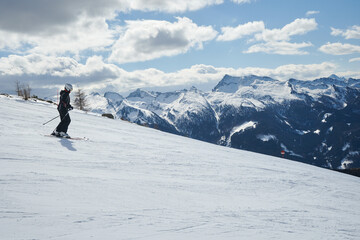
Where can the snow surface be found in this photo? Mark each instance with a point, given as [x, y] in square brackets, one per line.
[133, 182]
[266, 138]
[326, 115]
[240, 128]
[346, 146]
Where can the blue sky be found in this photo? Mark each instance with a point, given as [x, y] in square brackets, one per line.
[121, 45]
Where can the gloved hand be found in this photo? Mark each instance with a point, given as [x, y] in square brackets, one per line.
[70, 108]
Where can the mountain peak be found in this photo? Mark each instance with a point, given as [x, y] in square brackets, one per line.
[334, 76]
[113, 97]
[193, 89]
[139, 93]
[230, 84]
[94, 94]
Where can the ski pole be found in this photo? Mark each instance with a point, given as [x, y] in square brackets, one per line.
[62, 119]
[57, 117]
[51, 120]
[64, 116]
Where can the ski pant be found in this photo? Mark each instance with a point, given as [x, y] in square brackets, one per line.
[64, 123]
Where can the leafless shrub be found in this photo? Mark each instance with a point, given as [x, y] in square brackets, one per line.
[23, 90]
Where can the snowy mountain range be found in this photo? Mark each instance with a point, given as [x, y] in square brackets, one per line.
[132, 182]
[316, 122]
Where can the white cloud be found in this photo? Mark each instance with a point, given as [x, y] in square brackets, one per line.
[230, 33]
[68, 27]
[349, 74]
[339, 48]
[355, 59]
[34, 64]
[273, 41]
[304, 71]
[336, 32]
[169, 6]
[283, 72]
[149, 39]
[207, 75]
[49, 17]
[11, 41]
[96, 75]
[351, 33]
[309, 13]
[86, 33]
[140, 40]
[299, 26]
[43, 70]
[242, 1]
[281, 48]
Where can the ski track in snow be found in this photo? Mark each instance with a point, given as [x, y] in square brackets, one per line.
[132, 182]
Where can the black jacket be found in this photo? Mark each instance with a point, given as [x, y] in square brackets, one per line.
[64, 103]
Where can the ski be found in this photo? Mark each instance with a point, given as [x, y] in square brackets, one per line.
[70, 138]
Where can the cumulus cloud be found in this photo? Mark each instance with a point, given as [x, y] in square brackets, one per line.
[169, 6]
[274, 41]
[93, 33]
[139, 40]
[48, 17]
[72, 26]
[277, 41]
[149, 39]
[299, 26]
[86, 33]
[48, 72]
[34, 64]
[44, 71]
[304, 71]
[339, 48]
[351, 33]
[32, 17]
[281, 48]
[283, 72]
[242, 30]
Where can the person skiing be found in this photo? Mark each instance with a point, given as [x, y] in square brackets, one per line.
[64, 107]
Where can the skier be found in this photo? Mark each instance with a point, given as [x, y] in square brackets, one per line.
[64, 107]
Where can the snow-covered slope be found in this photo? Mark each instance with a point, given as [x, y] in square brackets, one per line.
[133, 182]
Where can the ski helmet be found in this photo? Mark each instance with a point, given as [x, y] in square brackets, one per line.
[68, 87]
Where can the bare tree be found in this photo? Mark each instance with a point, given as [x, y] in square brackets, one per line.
[23, 90]
[18, 88]
[80, 100]
[26, 91]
